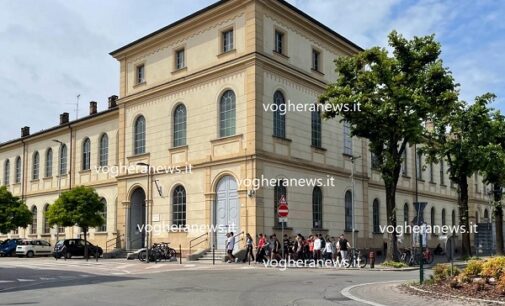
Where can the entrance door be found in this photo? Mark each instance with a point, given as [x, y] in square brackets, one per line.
[137, 220]
[227, 210]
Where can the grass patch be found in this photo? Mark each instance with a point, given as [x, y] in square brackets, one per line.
[394, 264]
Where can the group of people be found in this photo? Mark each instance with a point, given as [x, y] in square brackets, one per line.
[314, 247]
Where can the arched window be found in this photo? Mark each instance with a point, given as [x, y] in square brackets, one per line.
[453, 217]
[376, 216]
[35, 166]
[316, 129]
[104, 151]
[279, 115]
[180, 126]
[139, 144]
[432, 216]
[227, 114]
[179, 206]
[443, 217]
[486, 215]
[103, 213]
[49, 163]
[279, 191]
[33, 230]
[47, 228]
[63, 160]
[7, 172]
[86, 154]
[317, 208]
[406, 218]
[18, 170]
[348, 211]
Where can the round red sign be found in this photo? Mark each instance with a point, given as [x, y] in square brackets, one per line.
[283, 210]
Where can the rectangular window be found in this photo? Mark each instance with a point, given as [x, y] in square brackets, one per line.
[419, 165]
[442, 171]
[179, 59]
[432, 173]
[404, 163]
[140, 74]
[316, 56]
[279, 42]
[228, 40]
[347, 138]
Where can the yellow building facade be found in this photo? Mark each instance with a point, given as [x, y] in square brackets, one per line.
[192, 97]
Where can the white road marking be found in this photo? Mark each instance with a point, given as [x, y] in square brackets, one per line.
[5, 281]
[25, 280]
[47, 278]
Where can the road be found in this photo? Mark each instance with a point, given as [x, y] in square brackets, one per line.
[44, 281]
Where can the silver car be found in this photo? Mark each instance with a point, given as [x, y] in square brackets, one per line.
[30, 248]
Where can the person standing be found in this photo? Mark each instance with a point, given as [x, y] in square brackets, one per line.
[249, 245]
[328, 249]
[260, 254]
[343, 247]
[317, 248]
[230, 245]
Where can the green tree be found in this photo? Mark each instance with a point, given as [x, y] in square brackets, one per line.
[396, 95]
[13, 212]
[493, 171]
[462, 138]
[79, 206]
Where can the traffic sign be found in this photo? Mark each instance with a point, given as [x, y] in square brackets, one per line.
[283, 210]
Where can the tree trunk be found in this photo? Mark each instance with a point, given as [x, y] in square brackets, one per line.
[466, 250]
[86, 255]
[392, 250]
[498, 214]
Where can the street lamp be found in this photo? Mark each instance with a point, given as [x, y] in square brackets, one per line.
[148, 198]
[353, 158]
[59, 187]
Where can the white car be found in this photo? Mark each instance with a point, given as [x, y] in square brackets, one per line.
[30, 248]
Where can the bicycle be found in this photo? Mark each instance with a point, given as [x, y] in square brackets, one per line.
[355, 258]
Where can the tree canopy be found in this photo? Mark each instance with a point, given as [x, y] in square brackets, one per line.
[397, 93]
[13, 212]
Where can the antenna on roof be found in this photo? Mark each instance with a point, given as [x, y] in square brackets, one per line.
[77, 107]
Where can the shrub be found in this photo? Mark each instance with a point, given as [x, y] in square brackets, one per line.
[394, 264]
[500, 285]
[442, 272]
[474, 267]
[494, 267]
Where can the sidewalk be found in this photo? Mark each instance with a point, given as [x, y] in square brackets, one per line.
[389, 294]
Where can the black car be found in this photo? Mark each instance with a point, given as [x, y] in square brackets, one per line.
[75, 247]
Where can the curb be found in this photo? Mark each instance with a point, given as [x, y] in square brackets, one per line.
[347, 292]
[458, 297]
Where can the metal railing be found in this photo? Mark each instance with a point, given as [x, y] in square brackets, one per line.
[241, 234]
[192, 244]
[114, 242]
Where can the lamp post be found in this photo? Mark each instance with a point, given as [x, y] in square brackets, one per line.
[59, 187]
[353, 158]
[148, 199]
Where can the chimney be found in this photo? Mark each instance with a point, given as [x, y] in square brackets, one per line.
[25, 131]
[63, 118]
[112, 101]
[92, 107]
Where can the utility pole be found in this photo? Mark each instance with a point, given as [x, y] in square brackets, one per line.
[421, 260]
[353, 158]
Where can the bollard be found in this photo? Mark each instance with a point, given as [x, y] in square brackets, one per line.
[213, 254]
[371, 256]
[180, 254]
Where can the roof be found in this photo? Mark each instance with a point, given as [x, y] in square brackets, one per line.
[54, 128]
[221, 2]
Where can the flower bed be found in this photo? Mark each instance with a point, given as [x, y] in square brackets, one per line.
[482, 279]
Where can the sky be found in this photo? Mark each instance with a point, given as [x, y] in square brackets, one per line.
[53, 50]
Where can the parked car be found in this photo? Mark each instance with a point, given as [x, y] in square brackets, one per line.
[8, 247]
[30, 248]
[75, 247]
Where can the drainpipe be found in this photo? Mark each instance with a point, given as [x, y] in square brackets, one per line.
[23, 172]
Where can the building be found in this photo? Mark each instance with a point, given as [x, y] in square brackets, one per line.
[192, 96]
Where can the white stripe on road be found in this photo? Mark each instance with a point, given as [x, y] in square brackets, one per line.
[347, 292]
[47, 278]
[25, 280]
[5, 281]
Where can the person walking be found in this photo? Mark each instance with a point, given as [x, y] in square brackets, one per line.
[249, 245]
[260, 254]
[316, 253]
[328, 250]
